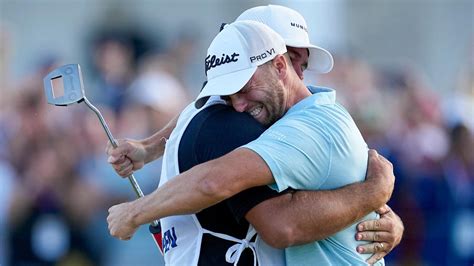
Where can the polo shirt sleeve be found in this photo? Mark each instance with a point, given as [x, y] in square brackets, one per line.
[297, 149]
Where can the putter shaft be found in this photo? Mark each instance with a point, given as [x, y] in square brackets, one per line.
[131, 178]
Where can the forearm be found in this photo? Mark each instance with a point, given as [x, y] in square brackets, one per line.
[327, 212]
[184, 194]
[155, 144]
[316, 215]
[203, 186]
[306, 216]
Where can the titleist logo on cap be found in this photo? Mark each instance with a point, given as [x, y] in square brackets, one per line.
[213, 61]
[299, 26]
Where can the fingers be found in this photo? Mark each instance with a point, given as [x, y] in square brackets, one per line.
[380, 176]
[115, 226]
[118, 158]
[376, 236]
[115, 159]
[378, 249]
[375, 163]
[108, 147]
[373, 153]
[128, 152]
[375, 225]
[123, 167]
[126, 169]
[111, 223]
[383, 210]
[376, 257]
[375, 247]
[117, 154]
[385, 160]
[383, 234]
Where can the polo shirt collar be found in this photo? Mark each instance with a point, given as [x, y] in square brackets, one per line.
[321, 96]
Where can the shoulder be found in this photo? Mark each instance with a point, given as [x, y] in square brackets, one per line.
[224, 120]
[217, 130]
[223, 114]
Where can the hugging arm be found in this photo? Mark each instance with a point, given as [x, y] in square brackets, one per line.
[300, 217]
[200, 187]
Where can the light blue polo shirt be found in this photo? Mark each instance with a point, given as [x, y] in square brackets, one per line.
[317, 146]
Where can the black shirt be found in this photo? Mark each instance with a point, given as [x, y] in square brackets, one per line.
[216, 131]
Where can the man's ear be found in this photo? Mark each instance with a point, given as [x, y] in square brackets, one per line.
[281, 66]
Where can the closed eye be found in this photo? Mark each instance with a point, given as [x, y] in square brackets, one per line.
[304, 66]
[227, 99]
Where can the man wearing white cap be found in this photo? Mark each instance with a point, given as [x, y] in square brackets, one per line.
[216, 62]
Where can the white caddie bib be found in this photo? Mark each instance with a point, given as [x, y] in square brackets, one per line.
[182, 234]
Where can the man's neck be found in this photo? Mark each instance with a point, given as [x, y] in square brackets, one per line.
[298, 93]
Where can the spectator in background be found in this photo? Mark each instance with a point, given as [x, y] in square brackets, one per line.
[157, 87]
[183, 58]
[458, 168]
[360, 93]
[115, 55]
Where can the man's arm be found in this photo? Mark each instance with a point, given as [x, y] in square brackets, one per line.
[198, 188]
[205, 185]
[155, 144]
[306, 216]
[131, 155]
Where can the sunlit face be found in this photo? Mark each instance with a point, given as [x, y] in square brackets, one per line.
[299, 59]
[263, 97]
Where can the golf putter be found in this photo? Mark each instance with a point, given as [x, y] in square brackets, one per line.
[63, 86]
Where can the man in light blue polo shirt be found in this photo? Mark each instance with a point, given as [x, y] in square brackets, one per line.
[317, 146]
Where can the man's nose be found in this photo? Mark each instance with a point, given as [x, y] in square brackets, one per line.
[239, 103]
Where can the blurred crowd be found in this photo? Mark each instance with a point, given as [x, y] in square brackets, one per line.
[56, 185]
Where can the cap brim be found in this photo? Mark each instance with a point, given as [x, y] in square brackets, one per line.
[224, 85]
[320, 60]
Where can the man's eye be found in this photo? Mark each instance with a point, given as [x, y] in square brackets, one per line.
[304, 66]
[226, 99]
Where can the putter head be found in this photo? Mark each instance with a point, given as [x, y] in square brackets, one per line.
[63, 86]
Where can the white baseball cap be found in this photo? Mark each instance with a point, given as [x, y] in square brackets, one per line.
[234, 55]
[293, 29]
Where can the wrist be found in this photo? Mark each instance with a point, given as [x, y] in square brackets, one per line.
[134, 213]
[137, 212]
[143, 211]
[374, 197]
[146, 148]
[153, 147]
